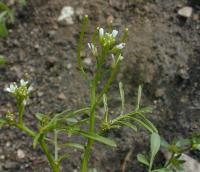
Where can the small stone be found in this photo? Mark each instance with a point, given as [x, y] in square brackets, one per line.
[20, 154]
[160, 92]
[62, 96]
[36, 46]
[51, 33]
[87, 61]
[2, 157]
[69, 66]
[185, 12]
[66, 15]
[8, 144]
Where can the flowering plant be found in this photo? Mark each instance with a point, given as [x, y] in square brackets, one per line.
[86, 122]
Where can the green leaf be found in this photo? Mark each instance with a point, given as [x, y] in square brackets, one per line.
[22, 2]
[3, 29]
[63, 157]
[183, 142]
[4, 7]
[141, 123]
[155, 145]
[40, 116]
[162, 170]
[149, 123]
[2, 60]
[105, 102]
[139, 97]
[36, 139]
[142, 159]
[98, 138]
[2, 123]
[74, 145]
[145, 110]
[128, 125]
[92, 170]
[121, 90]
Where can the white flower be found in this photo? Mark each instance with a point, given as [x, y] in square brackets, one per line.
[93, 48]
[120, 46]
[101, 32]
[23, 83]
[30, 88]
[114, 33]
[12, 88]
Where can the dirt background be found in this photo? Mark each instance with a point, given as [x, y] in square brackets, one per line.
[162, 54]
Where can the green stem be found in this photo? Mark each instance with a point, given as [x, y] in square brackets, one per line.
[21, 112]
[84, 165]
[28, 131]
[53, 164]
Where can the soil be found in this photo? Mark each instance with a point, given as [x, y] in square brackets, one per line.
[162, 54]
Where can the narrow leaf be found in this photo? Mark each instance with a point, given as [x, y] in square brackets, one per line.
[149, 123]
[98, 138]
[74, 145]
[140, 122]
[155, 144]
[121, 90]
[36, 139]
[139, 97]
[3, 29]
[162, 170]
[2, 60]
[2, 122]
[128, 124]
[142, 159]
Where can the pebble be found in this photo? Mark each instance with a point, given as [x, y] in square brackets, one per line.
[8, 144]
[20, 154]
[2, 157]
[62, 96]
[185, 12]
[66, 15]
[87, 61]
[69, 66]
[160, 92]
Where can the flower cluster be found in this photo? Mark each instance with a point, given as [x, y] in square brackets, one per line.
[108, 43]
[21, 92]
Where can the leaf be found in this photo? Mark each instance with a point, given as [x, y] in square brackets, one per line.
[2, 123]
[98, 138]
[92, 170]
[3, 29]
[164, 143]
[162, 170]
[2, 60]
[105, 102]
[63, 157]
[3, 7]
[155, 145]
[36, 139]
[121, 90]
[74, 145]
[145, 110]
[142, 159]
[149, 123]
[183, 142]
[40, 116]
[139, 97]
[128, 125]
[141, 123]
